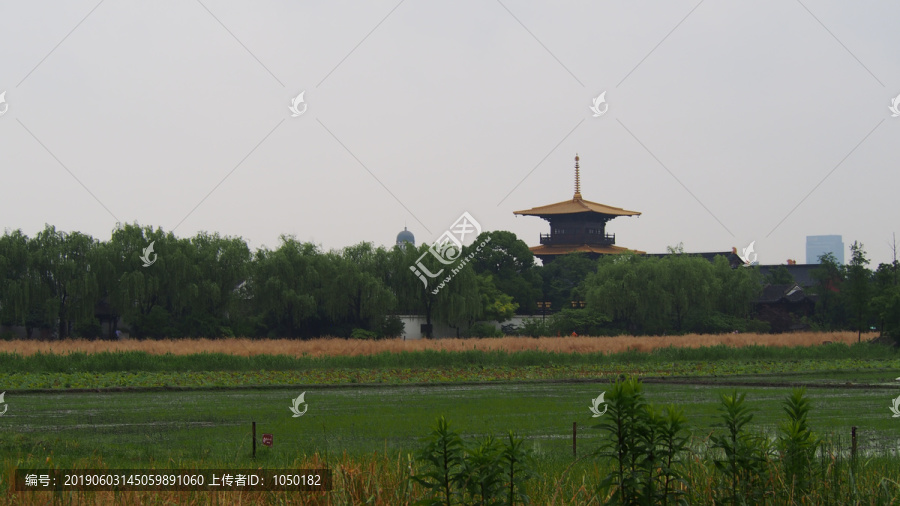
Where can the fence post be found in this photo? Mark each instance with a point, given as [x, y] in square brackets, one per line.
[853, 442]
[254, 440]
[574, 440]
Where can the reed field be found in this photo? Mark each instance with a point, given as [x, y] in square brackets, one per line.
[336, 347]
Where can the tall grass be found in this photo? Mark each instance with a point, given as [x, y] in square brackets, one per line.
[106, 361]
[333, 346]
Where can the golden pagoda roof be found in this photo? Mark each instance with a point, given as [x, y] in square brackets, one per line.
[565, 249]
[577, 204]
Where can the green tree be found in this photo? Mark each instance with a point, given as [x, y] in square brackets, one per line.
[688, 281]
[858, 290]
[190, 290]
[735, 289]
[886, 298]
[65, 264]
[780, 276]
[511, 264]
[498, 306]
[830, 311]
[20, 301]
[283, 287]
[357, 293]
[452, 296]
[562, 277]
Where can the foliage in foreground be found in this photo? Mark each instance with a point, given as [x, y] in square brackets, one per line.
[649, 459]
[486, 472]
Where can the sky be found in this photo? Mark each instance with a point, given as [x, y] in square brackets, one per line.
[725, 123]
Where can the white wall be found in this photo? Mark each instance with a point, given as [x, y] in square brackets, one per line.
[413, 330]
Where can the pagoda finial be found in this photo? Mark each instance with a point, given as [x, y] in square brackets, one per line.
[577, 180]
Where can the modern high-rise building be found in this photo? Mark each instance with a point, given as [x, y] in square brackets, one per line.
[818, 245]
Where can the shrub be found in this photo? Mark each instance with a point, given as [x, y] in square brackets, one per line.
[483, 329]
[390, 326]
[363, 334]
[533, 327]
[88, 329]
[584, 322]
[510, 329]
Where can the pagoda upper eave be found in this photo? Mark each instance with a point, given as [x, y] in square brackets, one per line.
[576, 206]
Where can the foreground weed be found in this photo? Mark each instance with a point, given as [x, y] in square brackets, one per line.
[483, 473]
[486, 473]
[444, 453]
[517, 466]
[647, 447]
[623, 422]
[797, 444]
[745, 454]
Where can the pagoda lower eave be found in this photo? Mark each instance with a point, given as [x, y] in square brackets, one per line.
[547, 250]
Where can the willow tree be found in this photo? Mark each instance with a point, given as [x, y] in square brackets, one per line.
[451, 296]
[208, 294]
[357, 293]
[137, 292]
[19, 285]
[66, 266]
[284, 285]
[628, 289]
[690, 286]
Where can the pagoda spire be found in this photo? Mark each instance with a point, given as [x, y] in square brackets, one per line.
[577, 180]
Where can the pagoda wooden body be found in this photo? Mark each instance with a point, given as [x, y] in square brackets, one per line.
[577, 225]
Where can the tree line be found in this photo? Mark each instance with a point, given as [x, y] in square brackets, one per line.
[63, 283]
[855, 297]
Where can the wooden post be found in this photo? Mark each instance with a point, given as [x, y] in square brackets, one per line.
[853, 442]
[254, 440]
[574, 440]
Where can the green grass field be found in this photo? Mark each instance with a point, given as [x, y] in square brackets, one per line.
[207, 427]
[76, 423]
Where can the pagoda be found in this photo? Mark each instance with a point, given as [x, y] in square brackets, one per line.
[577, 226]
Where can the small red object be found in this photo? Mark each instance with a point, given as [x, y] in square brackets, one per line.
[267, 439]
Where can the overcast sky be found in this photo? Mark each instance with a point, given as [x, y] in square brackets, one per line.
[728, 122]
